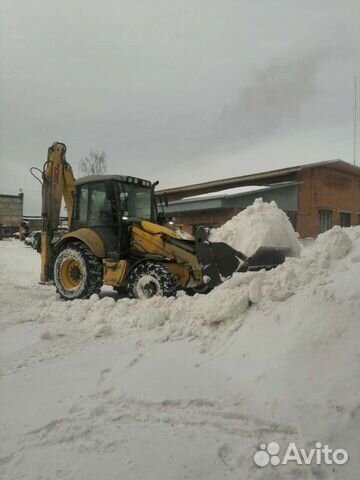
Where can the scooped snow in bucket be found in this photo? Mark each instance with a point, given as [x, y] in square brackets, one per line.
[259, 225]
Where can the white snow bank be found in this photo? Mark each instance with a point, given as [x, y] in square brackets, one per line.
[224, 309]
[336, 243]
[261, 224]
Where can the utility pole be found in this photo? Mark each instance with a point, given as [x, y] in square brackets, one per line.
[355, 116]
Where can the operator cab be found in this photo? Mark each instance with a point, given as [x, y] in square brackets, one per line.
[110, 205]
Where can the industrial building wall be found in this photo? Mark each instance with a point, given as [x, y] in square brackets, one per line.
[326, 189]
[11, 213]
[320, 198]
[34, 224]
[189, 221]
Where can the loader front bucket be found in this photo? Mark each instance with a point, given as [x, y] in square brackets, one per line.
[265, 258]
[219, 261]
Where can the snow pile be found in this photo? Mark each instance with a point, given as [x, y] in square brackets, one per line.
[335, 243]
[224, 308]
[259, 225]
[198, 317]
[222, 311]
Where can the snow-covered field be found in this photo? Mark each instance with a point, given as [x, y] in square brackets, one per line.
[184, 388]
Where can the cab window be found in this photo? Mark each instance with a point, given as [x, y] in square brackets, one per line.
[101, 210]
[135, 200]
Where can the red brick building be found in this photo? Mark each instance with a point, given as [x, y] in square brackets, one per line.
[315, 197]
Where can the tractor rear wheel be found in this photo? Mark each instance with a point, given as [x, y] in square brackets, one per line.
[149, 279]
[77, 272]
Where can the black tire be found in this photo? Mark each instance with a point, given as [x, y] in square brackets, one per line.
[149, 279]
[77, 272]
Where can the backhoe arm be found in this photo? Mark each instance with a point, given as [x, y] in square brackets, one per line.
[58, 183]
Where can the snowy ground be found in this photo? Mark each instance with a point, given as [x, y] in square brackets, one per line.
[187, 388]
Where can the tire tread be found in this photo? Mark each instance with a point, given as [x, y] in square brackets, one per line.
[94, 267]
[159, 271]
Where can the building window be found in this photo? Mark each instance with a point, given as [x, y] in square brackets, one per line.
[345, 219]
[325, 220]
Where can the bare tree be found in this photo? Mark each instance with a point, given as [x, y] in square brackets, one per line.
[93, 164]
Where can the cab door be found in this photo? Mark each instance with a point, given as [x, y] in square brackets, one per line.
[96, 209]
[102, 215]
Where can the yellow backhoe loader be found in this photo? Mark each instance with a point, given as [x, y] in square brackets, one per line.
[115, 238]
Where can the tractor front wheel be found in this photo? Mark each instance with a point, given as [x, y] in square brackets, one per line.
[77, 272]
[149, 279]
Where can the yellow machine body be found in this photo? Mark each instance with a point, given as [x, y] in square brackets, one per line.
[147, 238]
[90, 238]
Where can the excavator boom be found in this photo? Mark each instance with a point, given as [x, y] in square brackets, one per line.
[58, 182]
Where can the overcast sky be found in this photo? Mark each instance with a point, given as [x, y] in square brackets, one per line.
[176, 90]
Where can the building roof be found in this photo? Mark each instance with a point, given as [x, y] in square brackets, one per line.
[19, 195]
[285, 195]
[263, 178]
